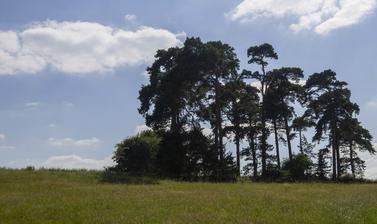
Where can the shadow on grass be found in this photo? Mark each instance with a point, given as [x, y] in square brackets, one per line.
[124, 178]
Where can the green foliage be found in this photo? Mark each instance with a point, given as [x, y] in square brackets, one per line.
[298, 167]
[137, 155]
[198, 85]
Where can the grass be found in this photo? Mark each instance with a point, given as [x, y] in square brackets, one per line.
[80, 197]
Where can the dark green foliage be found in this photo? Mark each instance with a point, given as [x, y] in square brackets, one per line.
[322, 168]
[199, 85]
[137, 155]
[298, 167]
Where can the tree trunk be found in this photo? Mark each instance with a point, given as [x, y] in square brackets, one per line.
[338, 169]
[254, 155]
[352, 161]
[277, 144]
[238, 153]
[264, 146]
[218, 121]
[253, 149]
[301, 148]
[334, 166]
[263, 120]
[288, 137]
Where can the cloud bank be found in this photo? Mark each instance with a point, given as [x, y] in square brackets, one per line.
[79, 47]
[321, 16]
[77, 162]
[69, 142]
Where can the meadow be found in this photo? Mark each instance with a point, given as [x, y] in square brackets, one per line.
[81, 197]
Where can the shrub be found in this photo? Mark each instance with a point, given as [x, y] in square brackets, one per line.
[298, 167]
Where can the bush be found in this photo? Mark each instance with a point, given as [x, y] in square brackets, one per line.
[137, 155]
[298, 167]
[30, 168]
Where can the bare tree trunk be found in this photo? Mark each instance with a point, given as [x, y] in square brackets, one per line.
[238, 154]
[338, 159]
[288, 137]
[264, 146]
[301, 148]
[264, 131]
[334, 166]
[352, 161]
[277, 144]
[218, 122]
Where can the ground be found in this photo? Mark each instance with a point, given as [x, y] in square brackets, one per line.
[79, 197]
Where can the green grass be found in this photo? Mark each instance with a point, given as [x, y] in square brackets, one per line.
[79, 197]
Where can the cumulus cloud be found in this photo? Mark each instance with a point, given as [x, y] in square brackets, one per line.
[321, 16]
[69, 142]
[77, 162]
[2, 136]
[79, 47]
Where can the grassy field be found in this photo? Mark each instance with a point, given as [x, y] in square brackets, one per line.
[79, 197]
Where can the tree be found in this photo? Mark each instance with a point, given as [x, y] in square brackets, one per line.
[137, 155]
[322, 166]
[236, 92]
[221, 63]
[259, 55]
[329, 103]
[283, 85]
[355, 137]
[250, 106]
[301, 124]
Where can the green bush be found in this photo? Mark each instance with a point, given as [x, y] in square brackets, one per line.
[298, 167]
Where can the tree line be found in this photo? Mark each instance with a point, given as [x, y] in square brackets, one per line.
[198, 101]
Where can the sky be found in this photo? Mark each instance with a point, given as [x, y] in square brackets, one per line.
[70, 70]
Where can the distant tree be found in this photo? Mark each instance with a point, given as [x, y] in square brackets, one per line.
[301, 124]
[250, 106]
[259, 55]
[329, 104]
[221, 64]
[237, 112]
[137, 155]
[355, 137]
[322, 166]
[283, 85]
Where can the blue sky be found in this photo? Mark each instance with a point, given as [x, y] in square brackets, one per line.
[70, 71]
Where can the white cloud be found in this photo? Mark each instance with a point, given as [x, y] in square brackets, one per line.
[140, 128]
[52, 125]
[79, 47]
[68, 104]
[2, 136]
[130, 17]
[33, 104]
[69, 142]
[322, 16]
[372, 105]
[207, 131]
[371, 164]
[76, 162]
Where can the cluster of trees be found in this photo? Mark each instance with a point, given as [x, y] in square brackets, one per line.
[198, 102]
